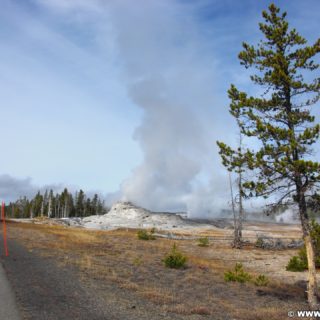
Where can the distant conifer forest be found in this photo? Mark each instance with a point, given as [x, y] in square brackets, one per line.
[56, 205]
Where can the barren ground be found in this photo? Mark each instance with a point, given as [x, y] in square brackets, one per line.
[126, 276]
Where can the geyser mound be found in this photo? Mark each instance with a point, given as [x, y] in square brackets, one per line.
[127, 215]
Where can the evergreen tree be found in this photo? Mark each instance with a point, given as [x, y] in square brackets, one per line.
[65, 203]
[79, 206]
[22, 208]
[37, 204]
[101, 209]
[58, 206]
[17, 210]
[72, 212]
[44, 204]
[88, 208]
[94, 204]
[282, 122]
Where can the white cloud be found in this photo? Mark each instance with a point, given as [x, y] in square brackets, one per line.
[12, 188]
[69, 5]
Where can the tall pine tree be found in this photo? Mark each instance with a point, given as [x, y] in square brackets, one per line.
[282, 122]
[80, 203]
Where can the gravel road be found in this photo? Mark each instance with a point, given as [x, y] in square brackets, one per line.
[46, 291]
[8, 306]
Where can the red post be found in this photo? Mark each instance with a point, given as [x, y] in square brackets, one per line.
[4, 230]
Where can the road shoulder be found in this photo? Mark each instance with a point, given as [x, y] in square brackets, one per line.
[8, 305]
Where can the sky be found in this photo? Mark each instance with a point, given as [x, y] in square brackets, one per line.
[126, 98]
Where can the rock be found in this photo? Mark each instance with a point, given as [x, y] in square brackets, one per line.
[265, 242]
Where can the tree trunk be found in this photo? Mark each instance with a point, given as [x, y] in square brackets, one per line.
[42, 208]
[240, 218]
[59, 209]
[49, 207]
[312, 279]
[238, 238]
[65, 211]
[312, 276]
[235, 243]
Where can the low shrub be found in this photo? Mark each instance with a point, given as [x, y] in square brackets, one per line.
[259, 243]
[300, 263]
[238, 275]
[203, 242]
[261, 280]
[296, 264]
[145, 235]
[175, 259]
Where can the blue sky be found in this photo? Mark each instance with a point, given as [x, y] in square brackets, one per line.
[125, 98]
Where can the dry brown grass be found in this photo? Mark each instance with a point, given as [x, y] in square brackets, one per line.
[186, 310]
[158, 296]
[263, 313]
[129, 285]
[119, 257]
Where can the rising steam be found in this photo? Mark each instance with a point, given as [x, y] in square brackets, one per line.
[170, 76]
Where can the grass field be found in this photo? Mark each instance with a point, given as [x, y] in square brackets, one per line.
[199, 290]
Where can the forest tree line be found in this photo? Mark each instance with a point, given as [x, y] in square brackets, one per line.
[56, 205]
